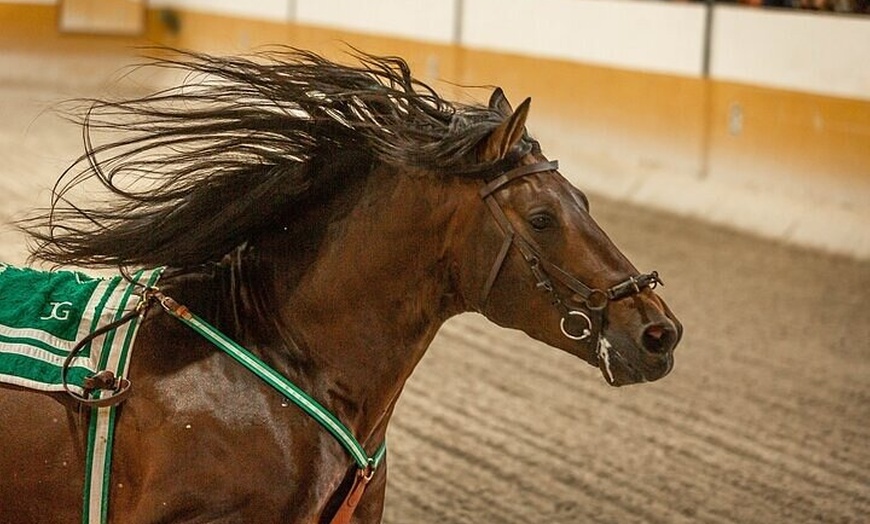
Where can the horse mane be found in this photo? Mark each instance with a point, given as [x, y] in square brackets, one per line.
[195, 171]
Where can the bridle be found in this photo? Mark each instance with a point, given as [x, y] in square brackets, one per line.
[593, 315]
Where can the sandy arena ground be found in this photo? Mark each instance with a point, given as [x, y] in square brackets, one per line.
[765, 419]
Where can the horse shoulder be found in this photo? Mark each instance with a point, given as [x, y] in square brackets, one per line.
[203, 436]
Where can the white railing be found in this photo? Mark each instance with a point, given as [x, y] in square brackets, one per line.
[794, 50]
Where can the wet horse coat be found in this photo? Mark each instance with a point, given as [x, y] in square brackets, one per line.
[329, 219]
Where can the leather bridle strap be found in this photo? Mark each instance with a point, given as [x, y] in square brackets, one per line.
[510, 234]
[595, 301]
[521, 171]
[543, 270]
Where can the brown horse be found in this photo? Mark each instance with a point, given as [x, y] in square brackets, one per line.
[329, 218]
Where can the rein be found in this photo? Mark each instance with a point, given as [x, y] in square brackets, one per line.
[595, 301]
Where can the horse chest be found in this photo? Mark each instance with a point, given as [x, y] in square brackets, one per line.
[222, 448]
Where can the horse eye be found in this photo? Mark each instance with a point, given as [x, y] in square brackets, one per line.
[542, 221]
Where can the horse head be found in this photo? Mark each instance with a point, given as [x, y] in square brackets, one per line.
[552, 272]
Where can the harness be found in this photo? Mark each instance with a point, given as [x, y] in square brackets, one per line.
[119, 387]
[582, 325]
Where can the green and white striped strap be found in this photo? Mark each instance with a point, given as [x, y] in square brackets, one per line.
[278, 382]
[113, 357]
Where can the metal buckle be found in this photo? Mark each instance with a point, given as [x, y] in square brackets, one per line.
[633, 285]
[597, 300]
[368, 472]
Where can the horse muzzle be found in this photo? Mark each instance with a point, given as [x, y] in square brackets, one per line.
[645, 357]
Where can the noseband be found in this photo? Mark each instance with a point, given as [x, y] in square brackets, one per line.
[592, 315]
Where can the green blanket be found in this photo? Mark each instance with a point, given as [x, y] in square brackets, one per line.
[44, 314]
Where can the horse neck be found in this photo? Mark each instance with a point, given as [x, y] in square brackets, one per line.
[377, 285]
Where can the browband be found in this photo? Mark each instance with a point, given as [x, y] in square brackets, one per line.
[496, 183]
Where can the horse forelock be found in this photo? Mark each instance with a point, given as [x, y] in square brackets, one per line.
[200, 168]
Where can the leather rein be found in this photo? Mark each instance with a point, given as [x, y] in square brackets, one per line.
[586, 324]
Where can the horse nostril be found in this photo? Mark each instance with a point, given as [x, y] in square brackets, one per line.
[658, 339]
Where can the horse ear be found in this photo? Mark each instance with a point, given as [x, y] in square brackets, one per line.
[503, 138]
[500, 102]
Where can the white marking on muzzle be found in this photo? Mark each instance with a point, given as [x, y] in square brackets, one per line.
[604, 348]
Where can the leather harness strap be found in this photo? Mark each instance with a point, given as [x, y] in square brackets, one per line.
[345, 512]
[103, 380]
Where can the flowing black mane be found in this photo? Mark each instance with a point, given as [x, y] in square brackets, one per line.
[193, 171]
